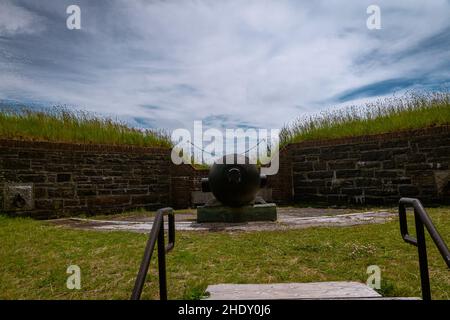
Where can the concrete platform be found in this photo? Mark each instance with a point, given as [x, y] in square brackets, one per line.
[292, 291]
[288, 218]
[256, 212]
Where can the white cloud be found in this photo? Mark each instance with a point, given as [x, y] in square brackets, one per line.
[254, 62]
[16, 20]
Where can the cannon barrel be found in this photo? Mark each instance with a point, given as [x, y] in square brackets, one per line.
[234, 184]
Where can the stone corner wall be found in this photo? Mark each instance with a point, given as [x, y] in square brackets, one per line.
[377, 169]
[49, 180]
[67, 179]
[281, 184]
[185, 179]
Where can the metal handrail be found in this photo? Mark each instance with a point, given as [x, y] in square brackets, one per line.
[421, 219]
[156, 235]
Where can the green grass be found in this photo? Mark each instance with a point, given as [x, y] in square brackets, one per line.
[34, 257]
[63, 125]
[411, 111]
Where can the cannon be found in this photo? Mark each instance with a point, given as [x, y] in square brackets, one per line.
[234, 183]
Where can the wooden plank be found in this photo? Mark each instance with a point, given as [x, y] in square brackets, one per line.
[292, 291]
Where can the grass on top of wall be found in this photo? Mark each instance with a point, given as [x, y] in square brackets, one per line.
[411, 111]
[63, 125]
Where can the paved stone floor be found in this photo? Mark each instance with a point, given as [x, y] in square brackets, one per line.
[288, 218]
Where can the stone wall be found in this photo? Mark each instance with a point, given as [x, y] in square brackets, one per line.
[372, 169]
[184, 180]
[69, 179]
[47, 180]
[281, 184]
[376, 169]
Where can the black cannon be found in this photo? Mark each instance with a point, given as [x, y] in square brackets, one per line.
[235, 182]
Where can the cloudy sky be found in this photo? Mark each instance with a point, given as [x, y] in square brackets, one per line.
[244, 63]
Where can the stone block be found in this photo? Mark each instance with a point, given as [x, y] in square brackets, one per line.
[408, 190]
[342, 164]
[63, 177]
[348, 173]
[302, 166]
[18, 197]
[320, 175]
[378, 155]
[387, 174]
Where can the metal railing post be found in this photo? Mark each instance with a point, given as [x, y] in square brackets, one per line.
[145, 264]
[162, 265]
[422, 221]
[423, 259]
[156, 235]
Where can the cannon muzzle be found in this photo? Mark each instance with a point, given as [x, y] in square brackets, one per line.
[234, 183]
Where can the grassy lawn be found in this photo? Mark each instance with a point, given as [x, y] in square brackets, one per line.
[34, 257]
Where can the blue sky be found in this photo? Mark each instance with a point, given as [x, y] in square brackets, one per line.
[243, 63]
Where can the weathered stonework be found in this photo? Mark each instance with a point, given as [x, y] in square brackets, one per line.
[376, 169]
[70, 179]
[373, 169]
[184, 180]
